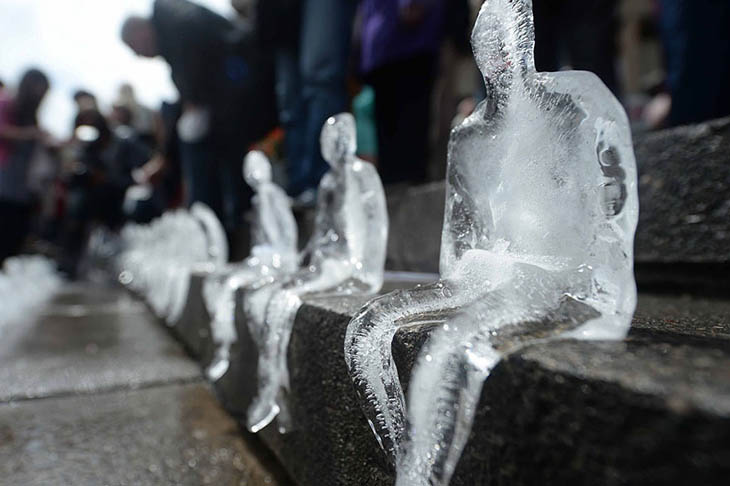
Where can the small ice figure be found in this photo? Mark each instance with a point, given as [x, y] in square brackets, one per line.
[214, 254]
[345, 255]
[537, 244]
[156, 260]
[273, 255]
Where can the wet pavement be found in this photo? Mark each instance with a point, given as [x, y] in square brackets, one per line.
[94, 391]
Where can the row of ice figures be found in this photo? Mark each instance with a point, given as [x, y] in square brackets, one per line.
[26, 282]
[537, 244]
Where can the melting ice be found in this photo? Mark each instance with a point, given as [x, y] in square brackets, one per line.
[345, 255]
[273, 255]
[537, 244]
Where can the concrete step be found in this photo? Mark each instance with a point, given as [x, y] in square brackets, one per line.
[652, 410]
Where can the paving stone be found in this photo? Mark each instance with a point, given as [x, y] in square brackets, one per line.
[167, 435]
[89, 338]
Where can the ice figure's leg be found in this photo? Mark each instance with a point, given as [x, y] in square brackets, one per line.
[369, 359]
[443, 397]
[448, 379]
[280, 313]
[273, 373]
[219, 293]
[218, 302]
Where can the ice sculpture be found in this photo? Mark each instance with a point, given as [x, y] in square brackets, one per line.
[156, 260]
[537, 244]
[214, 255]
[345, 255]
[273, 255]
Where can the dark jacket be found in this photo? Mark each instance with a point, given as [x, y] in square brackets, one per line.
[217, 65]
[192, 40]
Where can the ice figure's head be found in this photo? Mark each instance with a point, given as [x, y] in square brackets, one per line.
[256, 168]
[338, 139]
[503, 39]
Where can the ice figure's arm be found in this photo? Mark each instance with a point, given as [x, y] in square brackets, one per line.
[368, 352]
[620, 205]
[322, 216]
[215, 234]
[466, 224]
[276, 220]
[375, 230]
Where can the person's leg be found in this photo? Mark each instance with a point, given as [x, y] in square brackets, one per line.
[325, 48]
[291, 115]
[402, 111]
[591, 29]
[14, 219]
[697, 45]
[235, 194]
[547, 45]
[386, 116]
[413, 122]
[197, 172]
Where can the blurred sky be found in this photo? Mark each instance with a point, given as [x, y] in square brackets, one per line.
[76, 42]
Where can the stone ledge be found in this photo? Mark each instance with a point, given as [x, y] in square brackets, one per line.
[652, 410]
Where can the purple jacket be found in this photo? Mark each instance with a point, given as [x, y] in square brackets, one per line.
[386, 39]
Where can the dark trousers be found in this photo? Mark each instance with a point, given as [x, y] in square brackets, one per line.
[311, 86]
[402, 115]
[14, 218]
[579, 33]
[697, 43]
[212, 175]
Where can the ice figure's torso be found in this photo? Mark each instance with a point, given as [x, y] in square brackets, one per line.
[540, 178]
[351, 225]
[274, 230]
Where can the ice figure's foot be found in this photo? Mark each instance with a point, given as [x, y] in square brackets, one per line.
[284, 420]
[260, 414]
[220, 364]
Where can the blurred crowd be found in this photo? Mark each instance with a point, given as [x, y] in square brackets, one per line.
[270, 77]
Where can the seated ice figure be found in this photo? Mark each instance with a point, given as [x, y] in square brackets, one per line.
[156, 259]
[273, 255]
[213, 256]
[537, 243]
[345, 255]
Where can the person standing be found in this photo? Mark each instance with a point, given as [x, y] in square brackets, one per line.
[399, 54]
[311, 41]
[223, 105]
[20, 135]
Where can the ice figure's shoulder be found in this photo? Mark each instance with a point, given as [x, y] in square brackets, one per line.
[277, 192]
[588, 90]
[478, 124]
[328, 181]
[363, 167]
